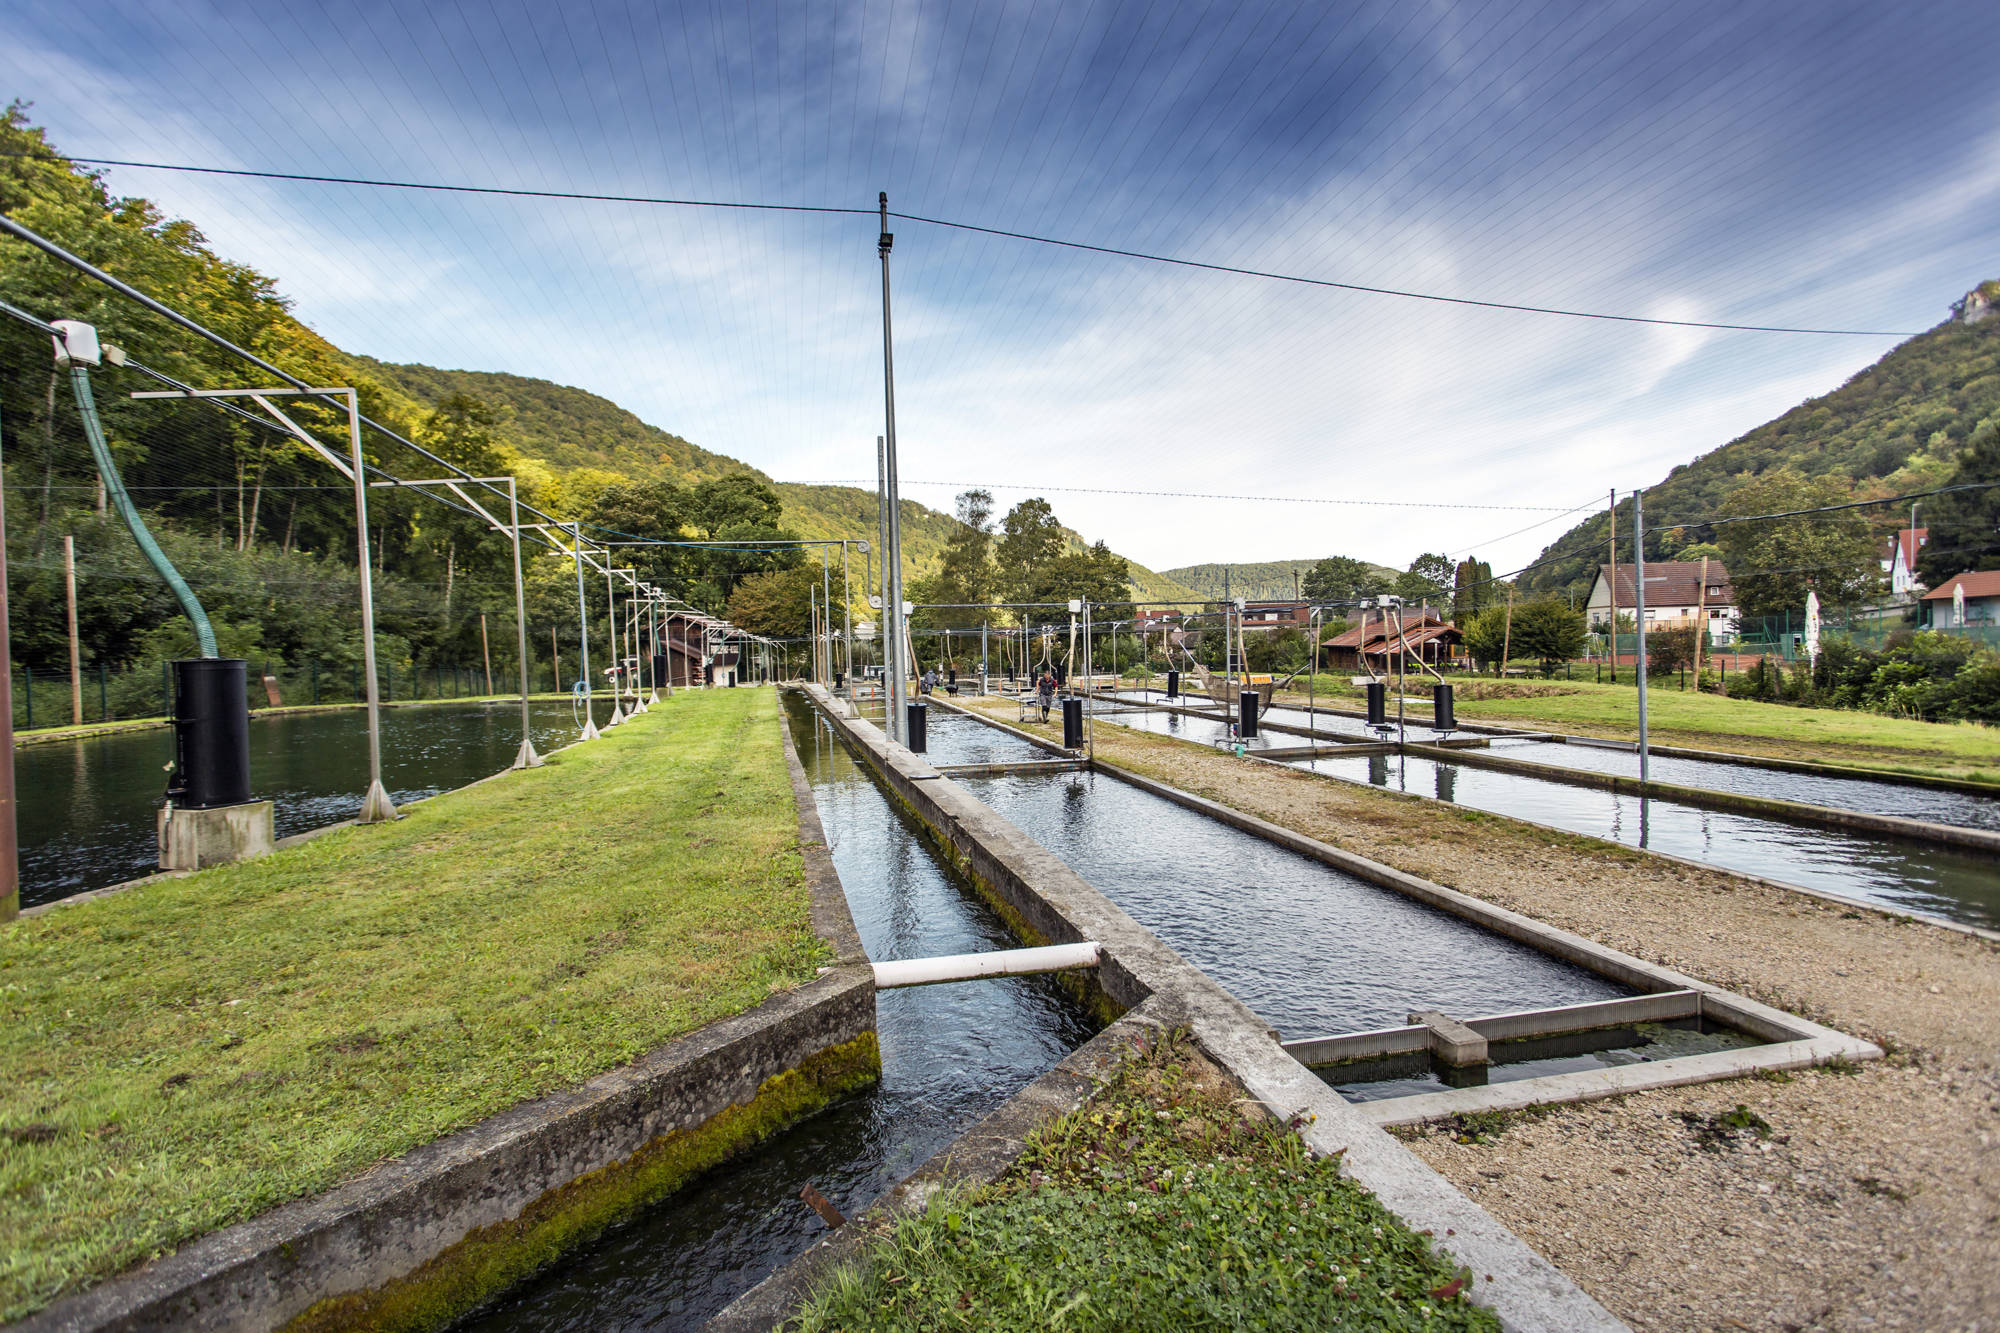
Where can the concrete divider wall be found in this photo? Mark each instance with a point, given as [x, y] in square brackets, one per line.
[1047, 902]
[416, 1241]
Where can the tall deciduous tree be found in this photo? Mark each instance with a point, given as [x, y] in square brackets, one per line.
[1965, 525]
[1030, 537]
[1342, 578]
[966, 573]
[1775, 562]
[1428, 579]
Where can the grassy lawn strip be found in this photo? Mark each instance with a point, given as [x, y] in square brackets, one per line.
[1164, 1203]
[1964, 750]
[189, 1054]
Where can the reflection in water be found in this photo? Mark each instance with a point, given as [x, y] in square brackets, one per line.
[86, 806]
[950, 1054]
[1958, 885]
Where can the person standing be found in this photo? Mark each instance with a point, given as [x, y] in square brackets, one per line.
[1045, 693]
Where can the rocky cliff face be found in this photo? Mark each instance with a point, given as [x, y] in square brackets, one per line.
[1981, 302]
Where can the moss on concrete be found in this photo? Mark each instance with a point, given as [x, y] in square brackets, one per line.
[491, 1259]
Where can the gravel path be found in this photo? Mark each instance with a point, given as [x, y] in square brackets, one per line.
[1872, 1200]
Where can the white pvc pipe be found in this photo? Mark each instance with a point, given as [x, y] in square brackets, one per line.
[971, 966]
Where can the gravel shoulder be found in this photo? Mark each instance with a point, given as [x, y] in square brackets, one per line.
[1871, 1199]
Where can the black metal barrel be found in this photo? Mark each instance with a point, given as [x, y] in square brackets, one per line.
[1378, 703]
[211, 734]
[1173, 684]
[1246, 726]
[1443, 718]
[1072, 710]
[918, 718]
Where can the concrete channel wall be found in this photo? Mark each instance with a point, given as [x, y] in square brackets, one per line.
[1045, 902]
[417, 1241]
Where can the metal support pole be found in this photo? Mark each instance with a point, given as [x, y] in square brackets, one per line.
[590, 732]
[525, 757]
[75, 652]
[846, 620]
[611, 628]
[1639, 618]
[892, 550]
[376, 807]
[982, 658]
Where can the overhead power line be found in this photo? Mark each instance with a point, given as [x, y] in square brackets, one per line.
[1117, 251]
[1188, 495]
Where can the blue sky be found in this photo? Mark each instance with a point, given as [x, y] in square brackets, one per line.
[1821, 164]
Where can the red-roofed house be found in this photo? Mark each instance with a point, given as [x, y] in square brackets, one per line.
[1374, 644]
[1676, 597]
[1900, 564]
[1982, 600]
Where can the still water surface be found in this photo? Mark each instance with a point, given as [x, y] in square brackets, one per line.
[86, 806]
[1957, 885]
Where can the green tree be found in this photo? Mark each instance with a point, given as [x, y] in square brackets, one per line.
[1428, 579]
[1548, 631]
[1342, 578]
[1030, 538]
[966, 574]
[1472, 590]
[1774, 562]
[776, 602]
[1965, 525]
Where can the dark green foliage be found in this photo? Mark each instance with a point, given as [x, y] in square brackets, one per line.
[1544, 631]
[1341, 578]
[1472, 590]
[1669, 650]
[1037, 562]
[1774, 562]
[1927, 674]
[570, 428]
[1965, 525]
[1430, 578]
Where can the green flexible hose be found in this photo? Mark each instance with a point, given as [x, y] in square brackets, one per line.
[114, 487]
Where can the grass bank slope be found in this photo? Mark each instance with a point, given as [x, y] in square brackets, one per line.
[1165, 1203]
[192, 1053]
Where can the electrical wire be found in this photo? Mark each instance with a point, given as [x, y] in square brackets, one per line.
[1089, 247]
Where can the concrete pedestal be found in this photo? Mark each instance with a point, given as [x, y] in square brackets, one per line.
[192, 839]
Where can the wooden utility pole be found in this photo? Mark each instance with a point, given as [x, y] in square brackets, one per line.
[1700, 622]
[486, 652]
[1507, 635]
[1613, 581]
[75, 653]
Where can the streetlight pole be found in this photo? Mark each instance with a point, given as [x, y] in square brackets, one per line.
[892, 551]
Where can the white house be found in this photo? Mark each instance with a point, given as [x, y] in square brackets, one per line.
[1901, 562]
[1676, 597]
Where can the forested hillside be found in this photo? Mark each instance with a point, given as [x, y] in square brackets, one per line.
[1269, 580]
[261, 526]
[1898, 426]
